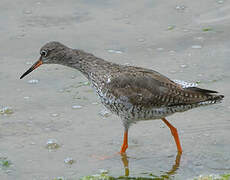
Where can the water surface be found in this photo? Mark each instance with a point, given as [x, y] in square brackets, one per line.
[187, 40]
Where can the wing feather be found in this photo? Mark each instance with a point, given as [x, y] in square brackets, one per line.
[151, 89]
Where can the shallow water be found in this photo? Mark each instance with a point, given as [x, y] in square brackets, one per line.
[187, 40]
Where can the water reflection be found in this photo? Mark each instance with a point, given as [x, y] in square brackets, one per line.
[165, 175]
[125, 162]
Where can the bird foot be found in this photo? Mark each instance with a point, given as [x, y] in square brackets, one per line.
[123, 149]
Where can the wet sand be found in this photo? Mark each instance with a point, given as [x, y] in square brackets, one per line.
[187, 40]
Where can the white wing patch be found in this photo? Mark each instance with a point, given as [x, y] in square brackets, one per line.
[185, 84]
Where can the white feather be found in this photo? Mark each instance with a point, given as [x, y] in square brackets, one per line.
[185, 84]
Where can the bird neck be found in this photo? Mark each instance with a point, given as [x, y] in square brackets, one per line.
[87, 63]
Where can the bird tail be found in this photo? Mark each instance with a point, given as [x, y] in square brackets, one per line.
[209, 96]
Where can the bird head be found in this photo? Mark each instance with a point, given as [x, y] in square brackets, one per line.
[51, 53]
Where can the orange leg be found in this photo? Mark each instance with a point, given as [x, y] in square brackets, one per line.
[174, 133]
[125, 142]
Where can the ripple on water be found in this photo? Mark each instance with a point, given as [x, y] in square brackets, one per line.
[114, 51]
[220, 1]
[103, 171]
[160, 49]
[54, 114]
[95, 103]
[69, 160]
[200, 38]
[33, 81]
[141, 39]
[76, 107]
[27, 12]
[105, 113]
[59, 178]
[196, 46]
[52, 144]
[180, 8]
[183, 66]
[6, 110]
[26, 97]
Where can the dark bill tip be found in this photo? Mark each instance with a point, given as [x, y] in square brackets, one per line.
[33, 67]
[27, 72]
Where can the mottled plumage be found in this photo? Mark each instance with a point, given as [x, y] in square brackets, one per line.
[133, 93]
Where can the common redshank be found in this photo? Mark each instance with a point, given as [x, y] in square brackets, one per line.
[132, 93]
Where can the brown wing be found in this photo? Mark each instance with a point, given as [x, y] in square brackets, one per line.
[151, 89]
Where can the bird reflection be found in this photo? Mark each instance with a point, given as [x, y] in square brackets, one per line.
[176, 165]
[166, 175]
[125, 162]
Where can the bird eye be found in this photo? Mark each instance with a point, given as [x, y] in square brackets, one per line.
[43, 52]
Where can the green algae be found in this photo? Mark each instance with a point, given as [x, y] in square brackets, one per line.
[148, 176]
[6, 110]
[4, 162]
[105, 176]
[214, 177]
[207, 29]
[171, 27]
[59, 178]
